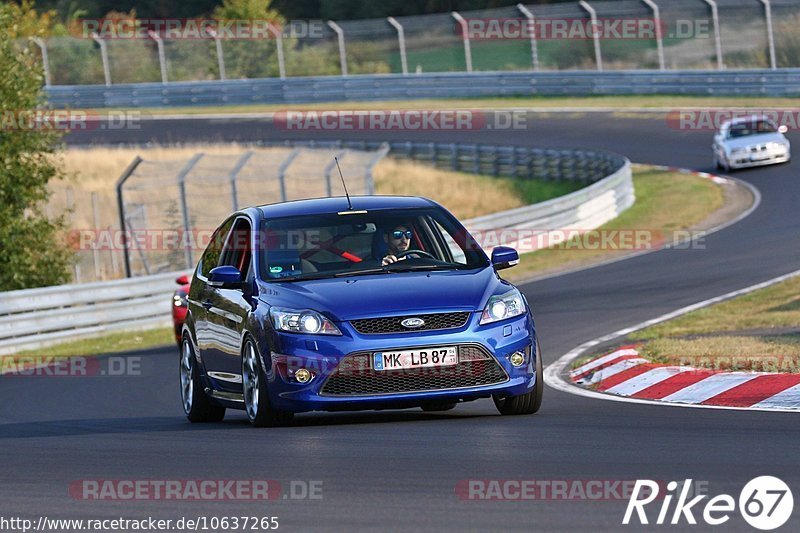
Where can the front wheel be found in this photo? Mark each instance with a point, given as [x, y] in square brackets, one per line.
[256, 400]
[197, 406]
[528, 403]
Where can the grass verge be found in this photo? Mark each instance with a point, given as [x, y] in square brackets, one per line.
[122, 341]
[759, 331]
[665, 202]
[543, 102]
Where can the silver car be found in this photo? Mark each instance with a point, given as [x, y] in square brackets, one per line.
[750, 142]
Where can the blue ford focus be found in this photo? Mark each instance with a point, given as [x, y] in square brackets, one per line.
[327, 305]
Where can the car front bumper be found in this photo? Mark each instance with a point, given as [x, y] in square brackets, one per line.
[774, 157]
[329, 357]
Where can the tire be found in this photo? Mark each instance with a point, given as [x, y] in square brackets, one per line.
[197, 406]
[256, 399]
[438, 406]
[528, 403]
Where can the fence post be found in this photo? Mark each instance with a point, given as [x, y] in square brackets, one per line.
[659, 36]
[104, 57]
[235, 172]
[717, 34]
[465, 37]
[121, 207]
[279, 41]
[220, 55]
[380, 154]
[342, 54]
[282, 171]
[532, 28]
[185, 207]
[162, 58]
[45, 59]
[96, 224]
[773, 62]
[328, 170]
[598, 56]
[401, 41]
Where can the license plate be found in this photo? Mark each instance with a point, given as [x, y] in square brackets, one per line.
[423, 357]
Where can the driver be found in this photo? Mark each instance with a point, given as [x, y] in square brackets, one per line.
[399, 240]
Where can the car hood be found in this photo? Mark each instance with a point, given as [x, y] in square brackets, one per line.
[386, 294]
[743, 142]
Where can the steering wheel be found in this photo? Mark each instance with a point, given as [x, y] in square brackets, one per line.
[408, 252]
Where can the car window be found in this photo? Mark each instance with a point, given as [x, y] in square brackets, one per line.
[236, 252]
[328, 245]
[754, 127]
[212, 253]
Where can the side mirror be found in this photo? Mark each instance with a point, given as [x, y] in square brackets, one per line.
[225, 277]
[783, 128]
[182, 280]
[504, 257]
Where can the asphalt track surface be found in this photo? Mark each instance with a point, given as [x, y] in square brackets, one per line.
[398, 470]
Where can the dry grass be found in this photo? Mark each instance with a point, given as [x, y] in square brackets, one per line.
[98, 169]
[465, 195]
[728, 352]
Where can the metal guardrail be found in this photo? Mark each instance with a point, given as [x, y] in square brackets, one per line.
[35, 318]
[777, 83]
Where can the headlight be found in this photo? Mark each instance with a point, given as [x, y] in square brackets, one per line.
[506, 305]
[738, 151]
[302, 321]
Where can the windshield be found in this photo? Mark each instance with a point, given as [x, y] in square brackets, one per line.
[330, 245]
[755, 127]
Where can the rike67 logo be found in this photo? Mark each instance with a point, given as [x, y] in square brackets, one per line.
[765, 503]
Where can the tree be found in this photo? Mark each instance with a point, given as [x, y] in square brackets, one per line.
[32, 251]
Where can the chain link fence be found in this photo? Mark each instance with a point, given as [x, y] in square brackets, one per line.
[666, 34]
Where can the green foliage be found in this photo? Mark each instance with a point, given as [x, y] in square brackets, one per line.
[31, 251]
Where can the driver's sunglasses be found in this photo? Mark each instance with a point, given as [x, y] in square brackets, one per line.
[397, 235]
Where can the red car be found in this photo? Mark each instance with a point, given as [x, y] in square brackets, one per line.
[180, 304]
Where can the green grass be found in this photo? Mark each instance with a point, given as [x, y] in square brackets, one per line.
[668, 102]
[774, 307]
[665, 202]
[106, 344]
[534, 191]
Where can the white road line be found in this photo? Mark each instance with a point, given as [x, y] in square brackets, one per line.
[648, 379]
[709, 387]
[789, 398]
[602, 360]
[554, 373]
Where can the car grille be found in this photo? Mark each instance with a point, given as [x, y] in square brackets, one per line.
[354, 376]
[392, 324]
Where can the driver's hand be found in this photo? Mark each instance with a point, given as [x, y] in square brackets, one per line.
[388, 260]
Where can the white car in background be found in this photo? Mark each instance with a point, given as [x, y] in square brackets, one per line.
[750, 142]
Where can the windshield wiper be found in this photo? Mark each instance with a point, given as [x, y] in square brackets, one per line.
[364, 272]
[408, 268]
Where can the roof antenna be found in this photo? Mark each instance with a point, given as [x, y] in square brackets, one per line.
[349, 205]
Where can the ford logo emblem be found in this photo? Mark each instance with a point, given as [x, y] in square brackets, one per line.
[413, 322]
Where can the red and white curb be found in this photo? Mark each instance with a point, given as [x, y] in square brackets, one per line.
[624, 373]
[556, 374]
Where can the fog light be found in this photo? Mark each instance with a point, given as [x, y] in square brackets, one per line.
[517, 358]
[302, 375]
